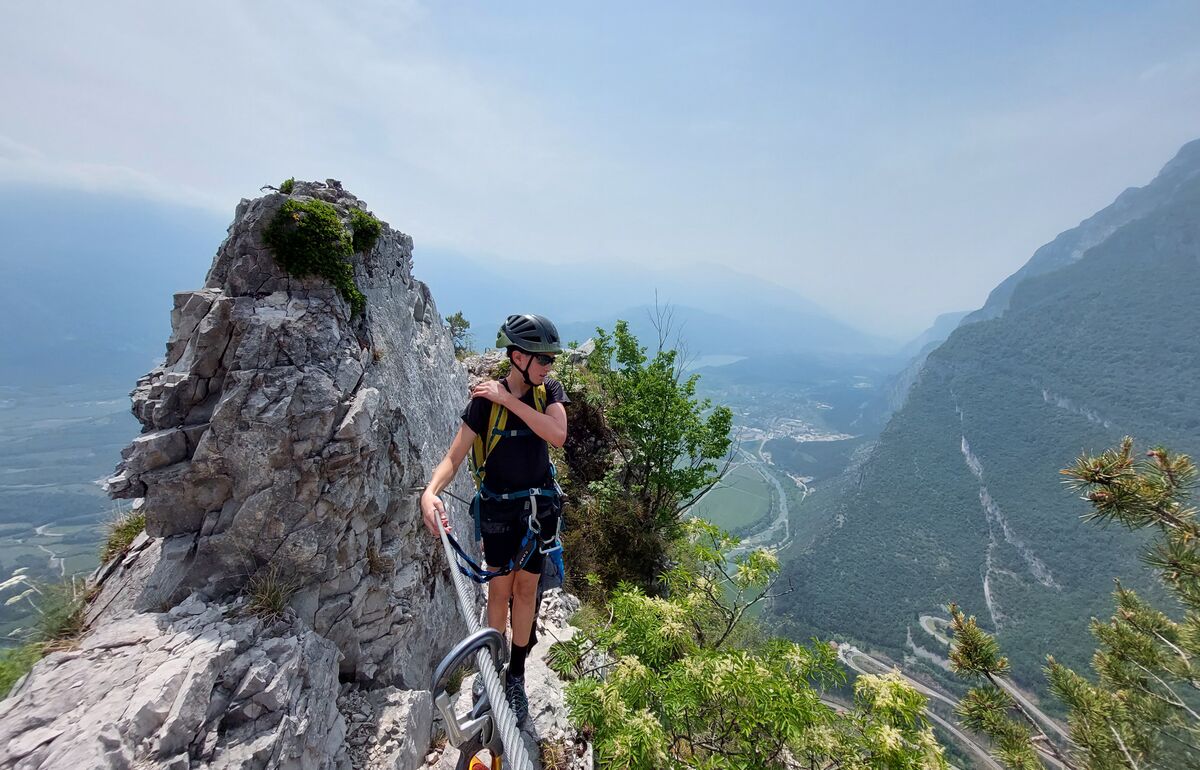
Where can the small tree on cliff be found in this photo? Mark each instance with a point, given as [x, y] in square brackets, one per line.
[460, 333]
[1143, 709]
[673, 447]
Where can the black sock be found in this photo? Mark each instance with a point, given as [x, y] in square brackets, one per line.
[516, 661]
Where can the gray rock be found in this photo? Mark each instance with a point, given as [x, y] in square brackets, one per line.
[280, 430]
[141, 691]
[283, 438]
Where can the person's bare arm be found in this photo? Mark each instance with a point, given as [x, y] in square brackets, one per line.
[432, 507]
[551, 426]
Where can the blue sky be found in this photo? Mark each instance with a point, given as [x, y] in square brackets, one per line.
[889, 161]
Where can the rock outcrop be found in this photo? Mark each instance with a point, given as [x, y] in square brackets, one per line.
[285, 441]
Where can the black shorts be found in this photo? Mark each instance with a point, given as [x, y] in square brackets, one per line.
[503, 524]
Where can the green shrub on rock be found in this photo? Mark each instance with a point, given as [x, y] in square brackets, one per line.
[16, 663]
[308, 238]
[287, 185]
[366, 230]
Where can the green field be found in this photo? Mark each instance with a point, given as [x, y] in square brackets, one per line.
[742, 499]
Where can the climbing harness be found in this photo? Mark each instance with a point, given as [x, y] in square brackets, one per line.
[530, 542]
[533, 538]
[490, 724]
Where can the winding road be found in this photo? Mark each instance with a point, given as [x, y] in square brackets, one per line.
[863, 663]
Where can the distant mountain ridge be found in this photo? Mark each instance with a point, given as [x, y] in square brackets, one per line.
[1069, 246]
[961, 500]
[724, 311]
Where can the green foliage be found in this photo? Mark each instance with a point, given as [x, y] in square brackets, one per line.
[16, 663]
[59, 623]
[975, 651]
[308, 238]
[287, 185]
[121, 533]
[460, 334]
[671, 440]
[1142, 709]
[660, 682]
[670, 444]
[366, 230]
[60, 614]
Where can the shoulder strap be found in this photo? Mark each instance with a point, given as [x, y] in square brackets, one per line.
[497, 423]
[484, 444]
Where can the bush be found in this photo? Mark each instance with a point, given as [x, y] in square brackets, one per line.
[287, 185]
[308, 238]
[366, 230]
[59, 624]
[671, 445]
[664, 681]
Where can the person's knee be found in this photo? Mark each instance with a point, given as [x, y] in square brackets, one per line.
[525, 586]
[500, 590]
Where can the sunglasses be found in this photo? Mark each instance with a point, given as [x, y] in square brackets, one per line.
[544, 359]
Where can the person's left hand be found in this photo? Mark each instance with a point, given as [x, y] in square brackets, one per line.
[493, 391]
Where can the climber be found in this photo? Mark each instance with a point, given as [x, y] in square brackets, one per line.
[507, 427]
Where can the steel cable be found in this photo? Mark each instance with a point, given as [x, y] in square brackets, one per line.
[503, 718]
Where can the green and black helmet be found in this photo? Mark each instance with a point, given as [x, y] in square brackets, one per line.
[531, 333]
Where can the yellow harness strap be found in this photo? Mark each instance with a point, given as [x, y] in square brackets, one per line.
[497, 424]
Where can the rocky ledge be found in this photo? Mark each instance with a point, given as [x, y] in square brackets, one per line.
[285, 439]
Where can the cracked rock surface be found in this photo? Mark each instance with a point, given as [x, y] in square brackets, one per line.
[282, 436]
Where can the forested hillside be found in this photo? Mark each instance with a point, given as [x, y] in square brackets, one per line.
[962, 501]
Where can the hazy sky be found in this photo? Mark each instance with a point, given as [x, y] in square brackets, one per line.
[890, 161]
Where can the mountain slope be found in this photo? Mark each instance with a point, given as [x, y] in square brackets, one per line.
[1069, 246]
[961, 500]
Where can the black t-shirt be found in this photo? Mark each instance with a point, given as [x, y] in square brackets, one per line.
[517, 462]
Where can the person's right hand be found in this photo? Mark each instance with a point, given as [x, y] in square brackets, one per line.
[433, 510]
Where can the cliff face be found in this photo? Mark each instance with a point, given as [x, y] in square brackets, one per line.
[284, 439]
[961, 499]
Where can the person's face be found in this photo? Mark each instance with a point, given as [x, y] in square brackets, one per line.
[539, 364]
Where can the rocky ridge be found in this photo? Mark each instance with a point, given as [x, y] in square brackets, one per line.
[285, 440]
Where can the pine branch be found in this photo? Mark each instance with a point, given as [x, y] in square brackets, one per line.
[1037, 727]
[1177, 702]
[1128, 758]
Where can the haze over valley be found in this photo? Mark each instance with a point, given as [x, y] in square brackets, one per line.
[927, 257]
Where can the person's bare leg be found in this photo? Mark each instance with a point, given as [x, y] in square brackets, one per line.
[499, 591]
[524, 592]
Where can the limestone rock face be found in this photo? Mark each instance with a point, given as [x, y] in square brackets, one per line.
[285, 438]
[201, 683]
[282, 432]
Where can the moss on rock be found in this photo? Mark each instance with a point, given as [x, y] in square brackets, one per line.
[308, 238]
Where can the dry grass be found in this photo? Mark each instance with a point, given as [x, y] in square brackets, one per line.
[377, 563]
[121, 532]
[269, 592]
